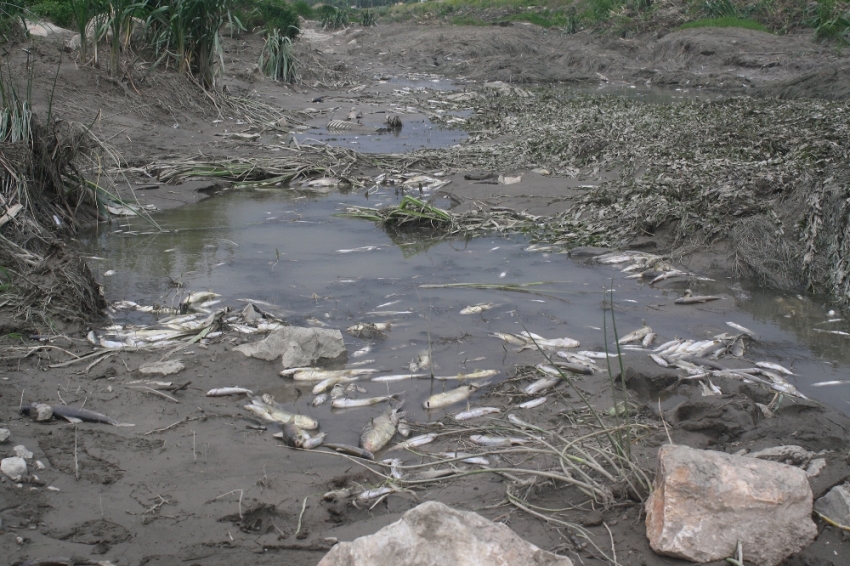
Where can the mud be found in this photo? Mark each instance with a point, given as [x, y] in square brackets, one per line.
[195, 481]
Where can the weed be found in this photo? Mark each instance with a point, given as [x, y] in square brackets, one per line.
[368, 18]
[828, 19]
[332, 18]
[720, 9]
[276, 59]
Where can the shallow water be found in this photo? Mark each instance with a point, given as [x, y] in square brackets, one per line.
[283, 248]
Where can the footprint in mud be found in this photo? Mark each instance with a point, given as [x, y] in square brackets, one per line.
[81, 454]
[101, 533]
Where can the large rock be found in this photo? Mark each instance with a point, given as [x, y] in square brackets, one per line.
[704, 502]
[835, 504]
[433, 533]
[14, 467]
[163, 368]
[297, 346]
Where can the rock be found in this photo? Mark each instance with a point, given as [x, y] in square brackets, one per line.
[41, 412]
[73, 43]
[297, 346]
[835, 504]
[15, 467]
[21, 452]
[433, 533]
[163, 368]
[592, 519]
[4, 435]
[704, 502]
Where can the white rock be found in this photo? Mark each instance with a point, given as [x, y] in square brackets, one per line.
[835, 504]
[704, 502]
[297, 346]
[433, 533]
[21, 452]
[4, 435]
[39, 465]
[162, 368]
[43, 412]
[15, 467]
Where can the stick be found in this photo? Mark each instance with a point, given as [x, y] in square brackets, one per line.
[76, 462]
[169, 427]
[301, 515]
[146, 389]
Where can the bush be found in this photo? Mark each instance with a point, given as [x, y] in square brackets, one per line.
[829, 19]
[60, 13]
[730, 22]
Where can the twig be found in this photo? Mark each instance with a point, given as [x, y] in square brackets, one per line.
[835, 524]
[301, 515]
[76, 462]
[97, 361]
[611, 536]
[146, 389]
[241, 493]
[169, 427]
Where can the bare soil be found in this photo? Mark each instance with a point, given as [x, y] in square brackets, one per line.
[192, 482]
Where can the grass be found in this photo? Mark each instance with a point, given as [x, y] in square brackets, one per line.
[725, 22]
[277, 60]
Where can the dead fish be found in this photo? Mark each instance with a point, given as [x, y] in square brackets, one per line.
[509, 338]
[319, 399]
[710, 389]
[659, 360]
[825, 383]
[477, 309]
[438, 474]
[354, 115]
[420, 440]
[742, 329]
[293, 435]
[478, 374]
[398, 377]
[321, 182]
[515, 420]
[484, 440]
[691, 299]
[575, 368]
[271, 411]
[636, 335]
[380, 430]
[648, 339]
[362, 351]
[351, 451]
[541, 385]
[668, 275]
[533, 403]
[597, 355]
[368, 330]
[330, 382]
[223, 391]
[775, 367]
[403, 428]
[837, 332]
[199, 297]
[447, 398]
[369, 494]
[322, 374]
[345, 403]
[475, 413]
[73, 414]
[465, 457]
[337, 391]
[534, 340]
[360, 249]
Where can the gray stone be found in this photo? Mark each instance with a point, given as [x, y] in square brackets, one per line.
[835, 504]
[704, 502]
[297, 346]
[162, 368]
[21, 452]
[15, 467]
[433, 533]
[41, 412]
[4, 435]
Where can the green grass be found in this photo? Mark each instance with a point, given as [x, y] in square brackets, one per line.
[727, 22]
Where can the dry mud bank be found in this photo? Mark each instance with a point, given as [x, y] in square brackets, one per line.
[756, 180]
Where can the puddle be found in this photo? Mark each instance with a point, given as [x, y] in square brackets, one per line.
[417, 132]
[282, 248]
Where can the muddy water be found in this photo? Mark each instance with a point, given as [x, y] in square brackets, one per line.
[289, 250]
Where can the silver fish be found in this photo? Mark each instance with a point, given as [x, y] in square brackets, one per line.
[541, 385]
[484, 440]
[533, 403]
[319, 399]
[477, 374]
[477, 309]
[475, 413]
[465, 457]
[837, 382]
[648, 339]
[420, 440]
[380, 430]
[775, 367]
[330, 382]
[741, 329]
[636, 335]
[345, 403]
[457, 395]
[222, 391]
[659, 360]
[397, 377]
